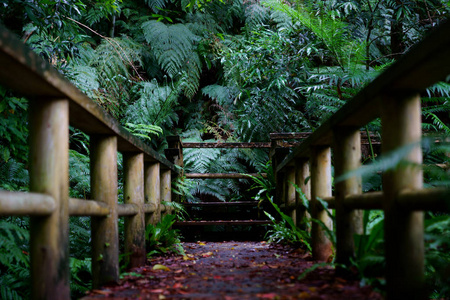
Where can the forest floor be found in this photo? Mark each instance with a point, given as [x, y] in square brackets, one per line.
[235, 270]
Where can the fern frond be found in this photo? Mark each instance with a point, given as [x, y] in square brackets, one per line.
[255, 15]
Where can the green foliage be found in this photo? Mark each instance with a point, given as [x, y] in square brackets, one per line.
[14, 261]
[286, 231]
[143, 131]
[80, 276]
[437, 241]
[161, 239]
[173, 47]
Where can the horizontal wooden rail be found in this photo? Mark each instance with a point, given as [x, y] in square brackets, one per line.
[427, 63]
[28, 74]
[149, 208]
[81, 207]
[435, 199]
[222, 222]
[21, 204]
[54, 105]
[128, 209]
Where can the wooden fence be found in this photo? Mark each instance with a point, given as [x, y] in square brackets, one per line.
[395, 97]
[54, 104]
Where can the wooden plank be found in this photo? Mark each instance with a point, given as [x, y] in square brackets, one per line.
[82, 207]
[133, 194]
[221, 222]
[26, 204]
[30, 75]
[403, 230]
[426, 63]
[223, 175]
[152, 192]
[347, 158]
[49, 174]
[105, 231]
[320, 187]
[227, 145]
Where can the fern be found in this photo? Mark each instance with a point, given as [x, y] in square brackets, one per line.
[255, 15]
[15, 260]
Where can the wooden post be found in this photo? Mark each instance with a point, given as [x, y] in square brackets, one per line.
[301, 175]
[404, 237]
[322, 247]
[105, 238]
[152, 190]
[290, 193]
[134, 193]
[347, 157]
[166, 188]
[49, 174]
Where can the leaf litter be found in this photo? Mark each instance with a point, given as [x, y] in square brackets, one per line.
[235, 270]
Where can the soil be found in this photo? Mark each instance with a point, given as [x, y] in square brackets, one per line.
[235, 270]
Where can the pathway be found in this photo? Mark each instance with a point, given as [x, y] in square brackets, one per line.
[234, 270]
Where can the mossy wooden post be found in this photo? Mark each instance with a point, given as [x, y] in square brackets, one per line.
[152, 190]
[105, 238]
[166, 189]
[49, 174]
[134, 193]
[322, 247]
[347, 157]
[301, 175]
[404, 237]
[290, 193]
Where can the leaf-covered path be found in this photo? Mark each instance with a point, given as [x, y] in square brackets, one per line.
[234, 270]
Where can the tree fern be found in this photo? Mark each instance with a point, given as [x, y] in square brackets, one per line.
[174, 49]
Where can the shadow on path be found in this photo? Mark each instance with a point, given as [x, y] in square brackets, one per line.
[234, 270]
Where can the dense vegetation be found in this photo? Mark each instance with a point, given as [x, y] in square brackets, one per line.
[232, 70]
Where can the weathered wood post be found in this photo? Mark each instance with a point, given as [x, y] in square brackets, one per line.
[347, 157]
[301, 175]
[152, 190]
[404, 237]
[49, 174]
[290, 193]
[105, 238]
[134, 194]
[166, 189]
[322, 247]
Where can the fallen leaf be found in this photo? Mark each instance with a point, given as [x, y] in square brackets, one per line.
[160, 267]
[207, 254]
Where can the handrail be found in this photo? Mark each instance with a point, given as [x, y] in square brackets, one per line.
[427, 62]
[54, 104]
[39, 79]
[393, 96]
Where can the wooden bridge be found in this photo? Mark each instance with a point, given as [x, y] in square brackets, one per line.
[55, 104]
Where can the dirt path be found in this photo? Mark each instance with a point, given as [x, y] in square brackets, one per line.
[234, 270]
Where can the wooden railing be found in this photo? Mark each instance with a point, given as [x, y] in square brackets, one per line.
[54, 104]
[393, 96]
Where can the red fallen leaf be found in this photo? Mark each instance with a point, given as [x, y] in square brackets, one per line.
[178, 271]
[217, 277]
[207, 254]
[177, 285]
[267, 296]
[100, 292]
